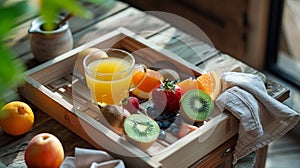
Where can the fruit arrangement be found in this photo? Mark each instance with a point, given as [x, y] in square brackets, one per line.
[169, 106]
[160, 107]
[44, 149]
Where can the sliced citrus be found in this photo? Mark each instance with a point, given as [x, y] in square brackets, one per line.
[16, 118]
[210, 83]
[145, 84]
[187, 84]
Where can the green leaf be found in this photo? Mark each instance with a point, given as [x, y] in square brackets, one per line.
[11, 71]
[11, 13]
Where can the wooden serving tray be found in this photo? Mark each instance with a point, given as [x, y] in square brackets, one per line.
[51, 87]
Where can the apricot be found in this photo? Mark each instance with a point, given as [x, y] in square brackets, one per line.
[44, 150]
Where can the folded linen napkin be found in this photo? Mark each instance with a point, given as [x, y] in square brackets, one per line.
[90, 158]
[262, 118]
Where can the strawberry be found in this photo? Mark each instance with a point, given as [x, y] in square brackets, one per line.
[166, 97]
[131, 104]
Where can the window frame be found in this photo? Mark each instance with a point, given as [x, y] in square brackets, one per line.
[272, 46]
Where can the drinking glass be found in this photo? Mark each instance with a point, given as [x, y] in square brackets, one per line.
[109, 76]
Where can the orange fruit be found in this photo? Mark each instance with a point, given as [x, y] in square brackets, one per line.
[16, 118]
[188, 84]
[210, 83]
[145, 84]
[44, 150]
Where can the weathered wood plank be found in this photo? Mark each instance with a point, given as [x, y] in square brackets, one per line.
[19, 39]
[133, 16]
[12, 153]
[277, 91]
[226, 37]
[225, 63]
[100, 11]
[107, 25]
[185, 46]
[131, 19]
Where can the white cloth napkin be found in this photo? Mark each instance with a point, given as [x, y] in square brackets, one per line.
[90, 158]
[262, 118]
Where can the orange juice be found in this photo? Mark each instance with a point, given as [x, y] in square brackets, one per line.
[111, 81]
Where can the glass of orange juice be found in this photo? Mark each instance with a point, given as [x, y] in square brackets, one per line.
[108, 75]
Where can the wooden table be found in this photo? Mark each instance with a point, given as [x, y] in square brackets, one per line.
[109, 16]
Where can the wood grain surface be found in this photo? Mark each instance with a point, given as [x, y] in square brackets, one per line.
[108, 17]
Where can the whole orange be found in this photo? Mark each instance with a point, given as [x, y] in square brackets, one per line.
[16, 118]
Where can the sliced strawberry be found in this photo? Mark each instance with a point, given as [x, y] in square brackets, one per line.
[166, 97]
[131, 104]
[185, 129]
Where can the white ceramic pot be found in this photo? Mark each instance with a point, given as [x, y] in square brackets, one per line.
[46, 45]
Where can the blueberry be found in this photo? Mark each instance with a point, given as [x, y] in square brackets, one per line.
[168, 115]
[162, 135]
[159, 118]
[173, 119]
[165, 116]
[165, 124]
[159, 123]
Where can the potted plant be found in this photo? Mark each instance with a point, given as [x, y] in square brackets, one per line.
[50, 34]
[11, 70]
[45, 43]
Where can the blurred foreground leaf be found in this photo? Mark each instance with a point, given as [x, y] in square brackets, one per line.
[50, 10]
[9, 14]
[11, 71]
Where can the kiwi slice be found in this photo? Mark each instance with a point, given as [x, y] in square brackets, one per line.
[196, 105]
[141, 130]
